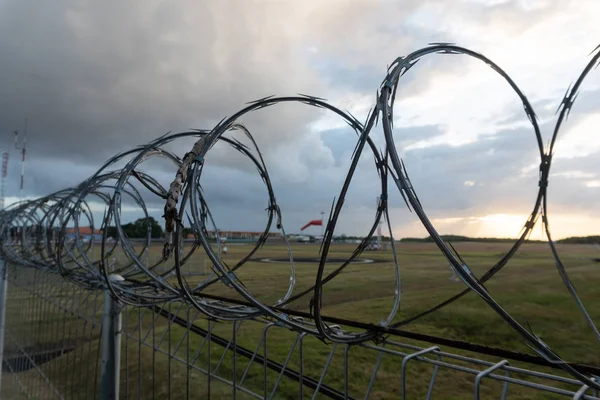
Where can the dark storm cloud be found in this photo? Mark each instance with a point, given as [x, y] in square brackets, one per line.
[490, 166]
[342, 141]
[97, 78]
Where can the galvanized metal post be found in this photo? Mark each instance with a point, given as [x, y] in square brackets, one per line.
[111, 346]
[3, 289]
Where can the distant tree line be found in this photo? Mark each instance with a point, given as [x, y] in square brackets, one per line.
[580, 240]
[138, 229]
[459, 238]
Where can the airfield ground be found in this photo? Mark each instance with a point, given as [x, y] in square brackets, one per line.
[529, 287]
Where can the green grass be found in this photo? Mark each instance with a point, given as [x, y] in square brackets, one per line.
[529, 287]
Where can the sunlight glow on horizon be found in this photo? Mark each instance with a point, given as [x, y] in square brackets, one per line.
[491, 225]
[511, 225]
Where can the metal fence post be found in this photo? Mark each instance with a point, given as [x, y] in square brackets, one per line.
[111, 345]
[3, 289]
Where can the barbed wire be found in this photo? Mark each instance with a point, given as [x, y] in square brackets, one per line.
[45, 233]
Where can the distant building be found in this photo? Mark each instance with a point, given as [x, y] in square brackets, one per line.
[85, 232]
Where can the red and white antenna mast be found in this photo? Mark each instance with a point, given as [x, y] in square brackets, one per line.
[2, 181]
[379, 235]
[23, 149]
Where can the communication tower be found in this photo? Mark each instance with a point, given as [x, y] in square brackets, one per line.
[23, 149]
[3, 180]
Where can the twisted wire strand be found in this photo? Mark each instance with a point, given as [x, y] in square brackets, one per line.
[565, 108]
[46, 233]
[399, 68]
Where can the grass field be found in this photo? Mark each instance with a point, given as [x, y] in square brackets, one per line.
[529, 287]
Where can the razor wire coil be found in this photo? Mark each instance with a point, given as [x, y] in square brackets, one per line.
[35, 233]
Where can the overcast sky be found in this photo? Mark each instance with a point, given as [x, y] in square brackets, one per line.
[96, 78]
